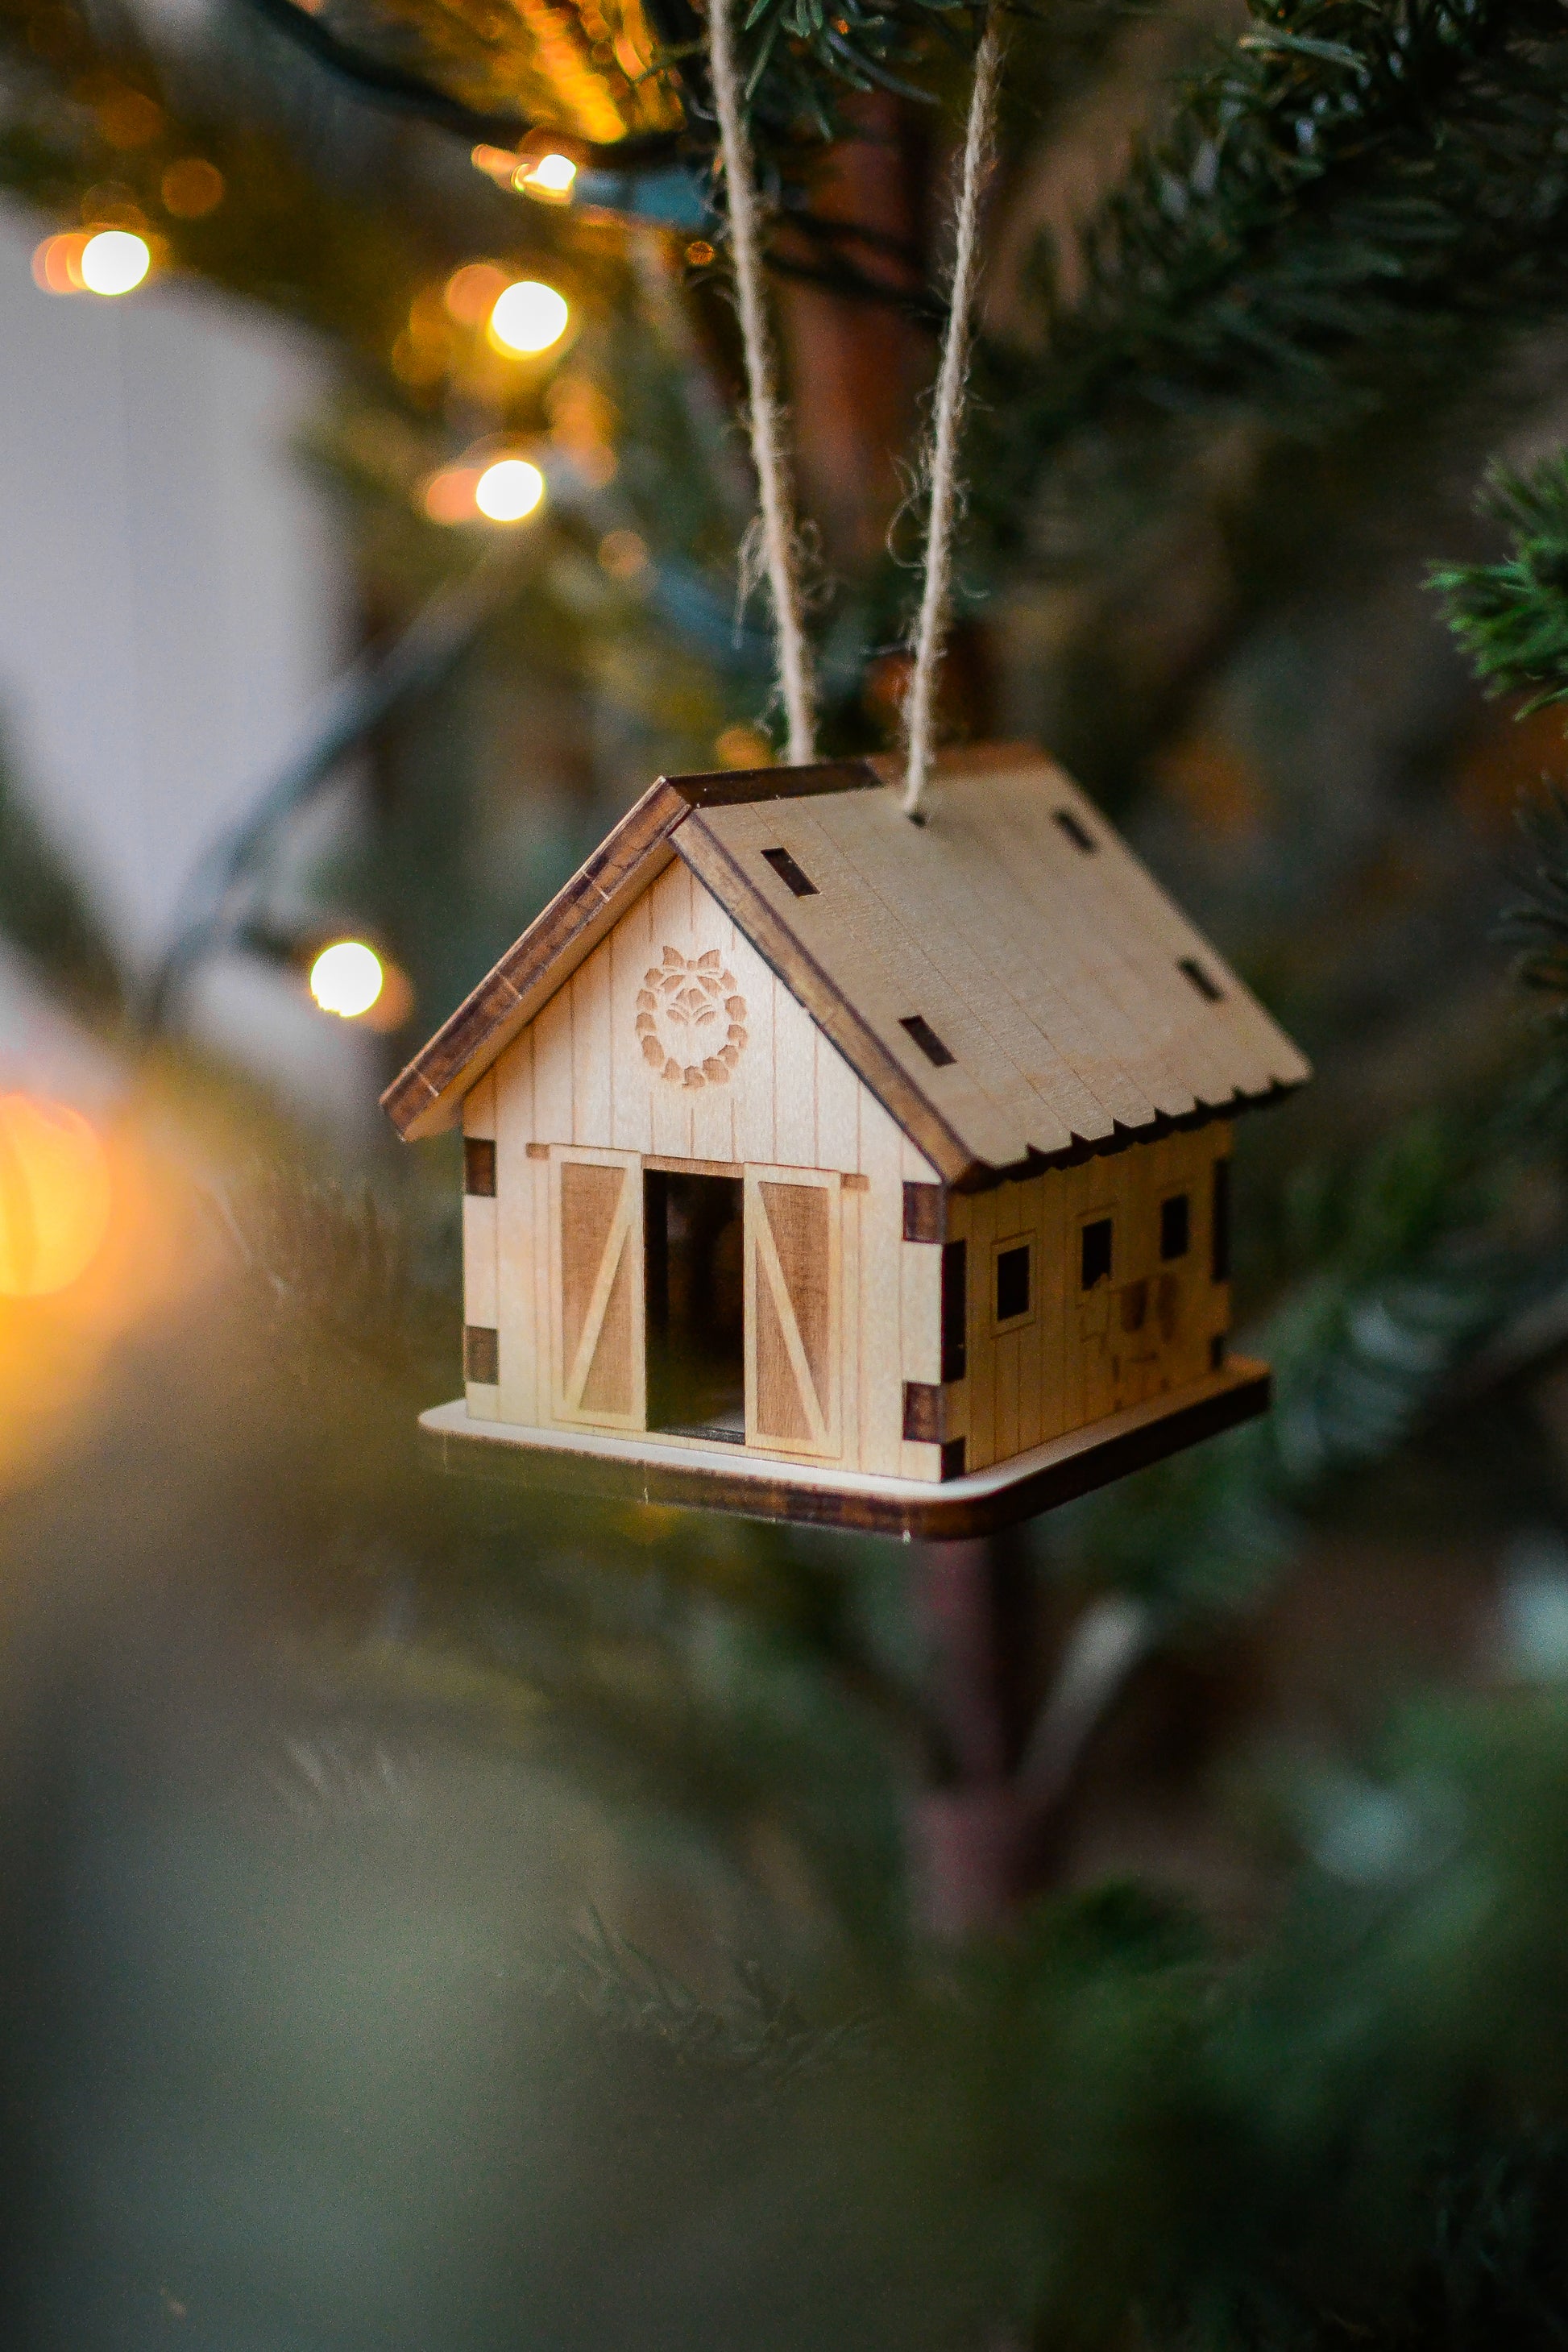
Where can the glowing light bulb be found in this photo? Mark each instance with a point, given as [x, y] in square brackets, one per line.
[529, 317]
[550, 178]
[509, 489]
[114, 261]
[346, 979]
[54, 1196]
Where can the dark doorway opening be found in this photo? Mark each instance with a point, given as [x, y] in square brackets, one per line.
[696, 1305]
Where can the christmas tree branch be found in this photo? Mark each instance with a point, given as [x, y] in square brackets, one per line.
[1351, 206]
[1511, 616]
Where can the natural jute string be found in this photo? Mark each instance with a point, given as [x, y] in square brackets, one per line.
[778, 535]
[941, 465]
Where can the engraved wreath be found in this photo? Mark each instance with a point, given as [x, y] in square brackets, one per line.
[692, 1020]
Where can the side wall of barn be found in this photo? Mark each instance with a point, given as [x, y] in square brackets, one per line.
[594, 1071]
[1065, 1323]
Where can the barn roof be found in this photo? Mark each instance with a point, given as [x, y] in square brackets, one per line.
[1007, 979]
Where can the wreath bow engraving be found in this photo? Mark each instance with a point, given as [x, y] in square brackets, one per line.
[691, 1019]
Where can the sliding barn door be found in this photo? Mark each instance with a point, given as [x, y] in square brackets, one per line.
[597, 1288]
[792, 1293]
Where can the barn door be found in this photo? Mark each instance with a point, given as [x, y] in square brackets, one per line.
[793, 1285]
[596, 1283]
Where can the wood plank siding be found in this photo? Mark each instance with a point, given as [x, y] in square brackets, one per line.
[591, 1075]
[578, 1078]
[1154, 1322]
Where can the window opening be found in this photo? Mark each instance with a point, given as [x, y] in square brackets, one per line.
[790, 874]
[1096, 1247]
[1175, 1226]
[1078, 834]
[954, 1310]
[1011, 1283]
[479, 1167]
[693, 1229]
[926, 1038]
[1207, 987]
[1221, 1242]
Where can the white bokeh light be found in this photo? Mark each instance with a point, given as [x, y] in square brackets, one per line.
[114, 261]
[346, 978]
[529, 317]
[509, 489]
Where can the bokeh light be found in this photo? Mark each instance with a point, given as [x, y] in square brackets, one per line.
[549, 179]
[346, 978]
[509, 489]
[115, 261]
[529, 317]
[55, 1196]
[56, 262]
[623, 553]
[472, 292]
[742, 746]
[192, 188]
[447, 495]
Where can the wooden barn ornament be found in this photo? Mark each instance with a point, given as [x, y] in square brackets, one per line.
[824, 1167]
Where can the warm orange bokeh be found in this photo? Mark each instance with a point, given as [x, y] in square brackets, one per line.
[98, 1241]
[54, 1196]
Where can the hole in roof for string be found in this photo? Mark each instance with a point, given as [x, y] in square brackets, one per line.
[926, 1038]
[1207, 987]
[790, 874]
[1078, 834]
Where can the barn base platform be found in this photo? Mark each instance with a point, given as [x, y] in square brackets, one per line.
[713, 1478]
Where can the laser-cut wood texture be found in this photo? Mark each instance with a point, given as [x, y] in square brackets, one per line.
[938, 1057]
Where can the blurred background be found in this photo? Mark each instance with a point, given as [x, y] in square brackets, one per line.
[431, 1918]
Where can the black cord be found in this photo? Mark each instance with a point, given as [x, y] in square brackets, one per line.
[396, 85]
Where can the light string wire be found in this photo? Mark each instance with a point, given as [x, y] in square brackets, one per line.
[941, 456]
[765, 418]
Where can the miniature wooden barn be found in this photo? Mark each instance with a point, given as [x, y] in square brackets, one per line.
[823, 1165]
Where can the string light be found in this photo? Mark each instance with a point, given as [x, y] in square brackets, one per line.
[508, 490]
[346, 979]
[549, 179]
[115, 261]
[529, 317]
[55, 1196]
[500, 165]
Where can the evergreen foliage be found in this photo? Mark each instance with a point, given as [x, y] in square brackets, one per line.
[1344, 2123]
[1348, 208]
[1511, 616]
[47, 916]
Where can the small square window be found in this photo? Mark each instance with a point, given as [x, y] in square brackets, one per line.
[1096, 1252]
[1011, 1282]
[479, 1167]
[1221, 1265]
[1175, 1226]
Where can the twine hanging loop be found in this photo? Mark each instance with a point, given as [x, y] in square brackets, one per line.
[940, 468]
[779, 550]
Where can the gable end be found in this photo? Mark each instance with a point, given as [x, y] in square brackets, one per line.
[424, 1098]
